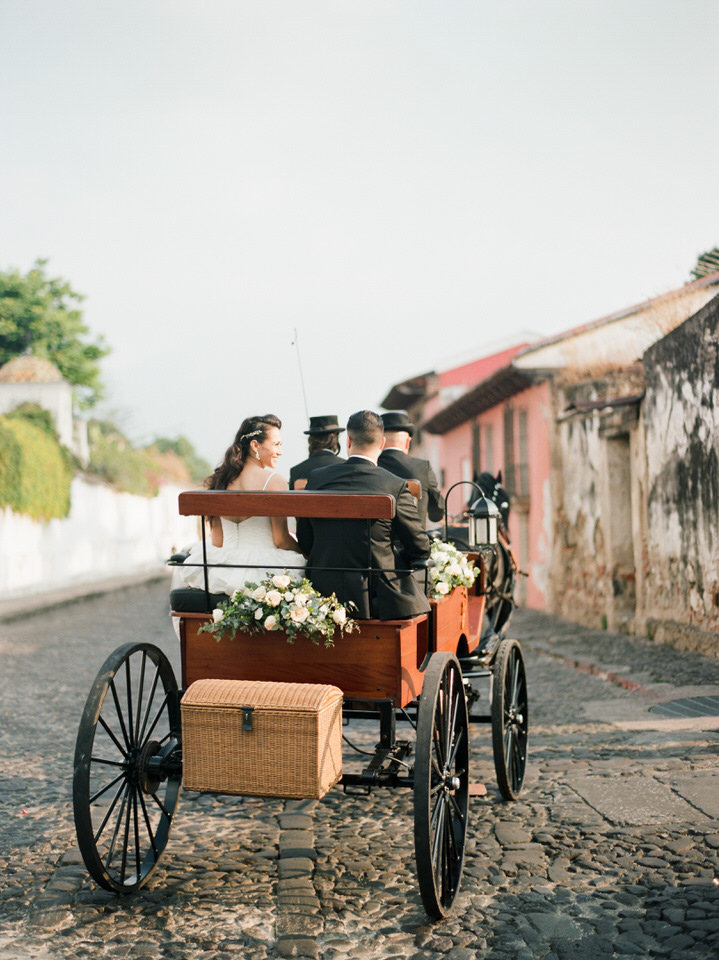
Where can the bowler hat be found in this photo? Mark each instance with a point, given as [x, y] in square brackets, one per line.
[324, 425]
[397, 420]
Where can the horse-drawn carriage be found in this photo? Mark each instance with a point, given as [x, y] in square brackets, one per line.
[255, 715]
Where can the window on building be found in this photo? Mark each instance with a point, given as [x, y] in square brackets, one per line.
[475, 449]
[509, 463]
[489, 448]
[516, 452]
[523, 465]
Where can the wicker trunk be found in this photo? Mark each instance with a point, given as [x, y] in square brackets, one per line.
[261, 738]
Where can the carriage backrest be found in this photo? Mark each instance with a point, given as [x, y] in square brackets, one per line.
[279, 503]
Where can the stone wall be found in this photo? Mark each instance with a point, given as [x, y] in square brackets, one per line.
[579, 557]
[680, 600]
[597, 535]
[107, 534]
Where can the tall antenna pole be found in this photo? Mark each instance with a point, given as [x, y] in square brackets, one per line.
[302, 379]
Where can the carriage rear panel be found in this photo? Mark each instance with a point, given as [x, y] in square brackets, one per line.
[382, 660]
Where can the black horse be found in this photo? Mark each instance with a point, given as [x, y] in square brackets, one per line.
[492, 488]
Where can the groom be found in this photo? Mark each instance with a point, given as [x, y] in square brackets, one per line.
[386, 594]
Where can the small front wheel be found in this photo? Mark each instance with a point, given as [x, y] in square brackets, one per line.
[510, 718]
[128, 770]
[441, 784]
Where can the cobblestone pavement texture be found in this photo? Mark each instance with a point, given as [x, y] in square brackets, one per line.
[611, 850]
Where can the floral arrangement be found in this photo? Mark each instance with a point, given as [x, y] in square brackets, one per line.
[282, 602]
[450, 568]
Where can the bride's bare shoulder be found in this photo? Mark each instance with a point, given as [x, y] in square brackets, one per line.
[276, 482]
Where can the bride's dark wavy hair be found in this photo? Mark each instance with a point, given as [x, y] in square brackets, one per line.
[253, 428]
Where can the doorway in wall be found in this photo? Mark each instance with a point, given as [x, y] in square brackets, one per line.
[620, 529]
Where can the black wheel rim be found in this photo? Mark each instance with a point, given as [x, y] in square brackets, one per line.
[510, 719]
[441, 784]
[127, 771]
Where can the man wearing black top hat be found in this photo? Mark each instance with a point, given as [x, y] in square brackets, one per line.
[398, 433]
[324, 444]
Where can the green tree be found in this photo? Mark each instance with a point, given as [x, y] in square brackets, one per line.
[706, 263]
[41, 315]
[197, 466]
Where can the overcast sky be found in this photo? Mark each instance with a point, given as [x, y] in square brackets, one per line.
[401, 181]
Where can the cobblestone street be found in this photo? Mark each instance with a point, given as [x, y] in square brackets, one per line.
[612, 849]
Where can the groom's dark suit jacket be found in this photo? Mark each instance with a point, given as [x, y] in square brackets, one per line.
[320, 458]
[385, 595]
[415, 468]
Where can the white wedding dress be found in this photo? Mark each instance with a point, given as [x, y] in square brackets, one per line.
[247, 542]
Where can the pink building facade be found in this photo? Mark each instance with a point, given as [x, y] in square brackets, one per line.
[512, 436]
[483, 416]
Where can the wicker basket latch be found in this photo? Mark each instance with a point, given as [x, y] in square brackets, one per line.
[247, 718]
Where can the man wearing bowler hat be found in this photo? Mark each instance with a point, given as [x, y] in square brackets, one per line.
[323, 441]
[398, 433]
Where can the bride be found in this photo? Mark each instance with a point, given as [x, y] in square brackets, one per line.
[264, 543]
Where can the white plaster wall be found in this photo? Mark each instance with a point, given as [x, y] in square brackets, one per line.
[107, 534]
[55, 397]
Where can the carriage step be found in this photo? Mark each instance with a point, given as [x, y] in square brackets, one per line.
[356, 789]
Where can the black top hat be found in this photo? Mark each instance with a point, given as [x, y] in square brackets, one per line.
[324, 425]
[397, 420]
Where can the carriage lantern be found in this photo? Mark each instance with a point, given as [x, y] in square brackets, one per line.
[483, 516]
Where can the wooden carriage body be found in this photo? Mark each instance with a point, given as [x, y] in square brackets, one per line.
[384, 660]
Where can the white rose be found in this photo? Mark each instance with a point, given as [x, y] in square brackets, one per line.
[259, 593]
[441, 587]
[301, 599]
[259, 613]
[281, 580]
[299, 614]
[271, 622]
[217, 614]
[324, 610]
[454, 570]
[339, 616]
[273, 597]
[288, 596]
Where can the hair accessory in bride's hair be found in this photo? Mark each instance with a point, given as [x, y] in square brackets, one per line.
[254, 433]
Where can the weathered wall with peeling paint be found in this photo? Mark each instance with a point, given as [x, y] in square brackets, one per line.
[636, 543]
[680, 596]
[593, 564]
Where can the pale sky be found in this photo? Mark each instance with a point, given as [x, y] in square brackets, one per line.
[399, 180]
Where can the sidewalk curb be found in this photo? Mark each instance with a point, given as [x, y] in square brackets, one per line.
[22, 606]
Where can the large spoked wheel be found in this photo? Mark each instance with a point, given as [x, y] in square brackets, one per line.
[128, 768]
[441, 784]
[509, 718]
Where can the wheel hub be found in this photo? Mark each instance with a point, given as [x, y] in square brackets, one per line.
[148, 782]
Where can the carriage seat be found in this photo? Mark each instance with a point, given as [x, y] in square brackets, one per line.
[193, 600]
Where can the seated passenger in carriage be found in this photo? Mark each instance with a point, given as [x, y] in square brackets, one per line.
[323, 441]
[264, 543]
[395, 457]
[334, 544]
